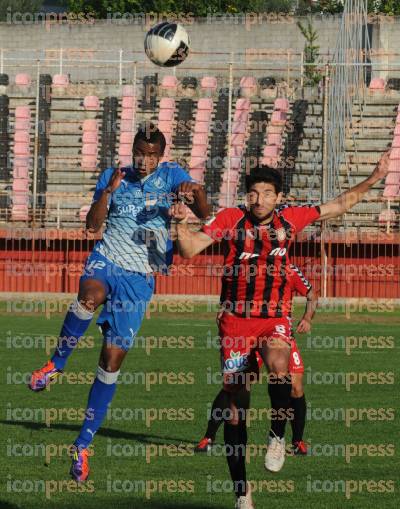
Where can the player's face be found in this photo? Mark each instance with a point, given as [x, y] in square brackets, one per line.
[262, 199]
[146, 157]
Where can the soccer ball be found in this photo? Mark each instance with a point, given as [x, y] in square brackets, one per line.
[167, 44]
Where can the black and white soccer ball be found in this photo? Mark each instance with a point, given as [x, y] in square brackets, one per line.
[167, 44]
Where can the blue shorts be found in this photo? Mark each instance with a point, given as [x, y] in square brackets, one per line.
[128, 294]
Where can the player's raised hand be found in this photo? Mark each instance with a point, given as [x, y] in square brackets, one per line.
[303, 327]
[382, 167]
[115, 180]
[187, 190]
[178, 211]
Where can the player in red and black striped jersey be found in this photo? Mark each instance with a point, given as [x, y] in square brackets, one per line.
[257, 239]
[301, 286]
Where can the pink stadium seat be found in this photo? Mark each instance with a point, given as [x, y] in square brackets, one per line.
[126, 125]
[197, 162]
[236, 150]
[168, 138]
[22, 112]
[60, 80]
[20, 198]
[396, 141]
[203, 116]
[89, 149]
[274, 139]
[128, 102]
[197, 174]
[243, 104]
[126, 138]
[20, 212]
[387, 216]
[239, 127]
[377, 84]
[394, 153]
[391, 191]
[236, 163]
[271, 151]
[201, 127]
[89, 162]
[275, 129]
[125, 149]
[392, 179]
[270, 161]
[89, 137]
[199, 150]
[167, 103]
[21, 149]
[90, 124]
[231, 176]
[24, 160]
[224, 188]
[169, 82]
[237, 139]
[20, 185]
[83, 212]
[127, 90]
[394, 165]
[281, 104]
[21, 137]
[20, 171]
[91, 102]
[209, 83]
[248, 81]
[241, 116]
[127, 114]
[23, 79]
[278, 118]
[125, 160]
[205, 103]
[397, 128]
[166, 115]
[22, 124]
[165, 126]
[200, 139]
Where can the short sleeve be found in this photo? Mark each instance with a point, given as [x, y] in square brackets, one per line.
[300, 217]
[102, 183]
[299, 282]
[178, 176]
[222, 224]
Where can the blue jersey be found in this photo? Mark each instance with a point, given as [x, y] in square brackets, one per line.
[137, 236]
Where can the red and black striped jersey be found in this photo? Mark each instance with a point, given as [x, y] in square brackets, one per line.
[256, 258]
[297, 283]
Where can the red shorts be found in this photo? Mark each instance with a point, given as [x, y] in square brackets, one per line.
[241, 338]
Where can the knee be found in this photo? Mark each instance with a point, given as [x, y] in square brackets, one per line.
[278, 366]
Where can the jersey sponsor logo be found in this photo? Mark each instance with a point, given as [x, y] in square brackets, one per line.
[247, 256]
[278, 251]
[158, 183]
[236, 362]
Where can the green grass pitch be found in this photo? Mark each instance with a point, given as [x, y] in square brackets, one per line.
[143, 455]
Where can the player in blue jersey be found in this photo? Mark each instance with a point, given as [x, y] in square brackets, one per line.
[118, 274]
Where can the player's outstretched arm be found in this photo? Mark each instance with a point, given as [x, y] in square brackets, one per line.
[189, 243]
[347, 200]
[311, 306]
[98, 211]
[195, 198]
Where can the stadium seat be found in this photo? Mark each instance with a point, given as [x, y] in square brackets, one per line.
[167, 103]
[269, 161]
[391, 191]
[230, 176]
[165, 126]
[90, 124]
[169, 82]
[197, 174]
[392, 178]
[21, 149]
[394, 165]
[20, 171]
[205, 103]
[89, 162]
[271, 151]
[237, 139]
[20, 198]
[22, 112]
[125, 160]
[274, 139]
[199, 150]
[23, 79]
[22, 124]
[203, 116]
[197, 161]
[128, 102]
[241, 116]
[60, 80]
[209, 83]
[21, 137]
[397, 127]
[281, 104]
[127, 91]
[168, 138]
[377, 84]
[275, 129]
[243, 104]
[278, 118]
[126, 125]
[248, 86]
[201, 127]
[387, 216]
[235, 163]
[127, 114]
[166, 115]
[125, 149]
[395, 153]
[89, 137]
[83, 212]
[239, 127]
[20, 185]
[89, 149]
[20, 212]
[200, 139]
[91, 102]
[126, 138]
[236, 150]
